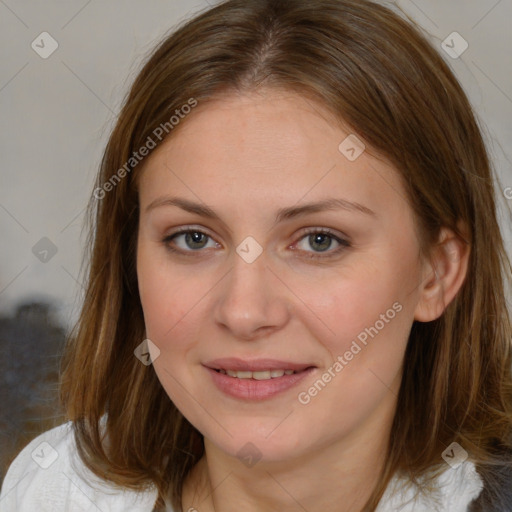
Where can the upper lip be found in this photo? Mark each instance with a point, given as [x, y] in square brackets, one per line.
[254, 365]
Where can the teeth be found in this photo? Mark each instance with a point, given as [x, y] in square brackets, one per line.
[261, 375]
[265, 375]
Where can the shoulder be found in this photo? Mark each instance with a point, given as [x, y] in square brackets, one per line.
[48, 475]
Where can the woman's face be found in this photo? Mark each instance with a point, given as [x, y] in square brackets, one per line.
[266, 282]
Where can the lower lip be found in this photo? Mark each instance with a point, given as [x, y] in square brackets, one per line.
[252, 389]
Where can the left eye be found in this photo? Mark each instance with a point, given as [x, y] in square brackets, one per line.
[321, 242]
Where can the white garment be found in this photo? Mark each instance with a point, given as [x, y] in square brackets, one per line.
[48, 476]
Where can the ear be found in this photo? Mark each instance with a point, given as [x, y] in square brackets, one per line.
[443, 275]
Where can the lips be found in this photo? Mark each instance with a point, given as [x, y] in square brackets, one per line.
[257, 379]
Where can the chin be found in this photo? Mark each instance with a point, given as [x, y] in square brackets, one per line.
[264, 444]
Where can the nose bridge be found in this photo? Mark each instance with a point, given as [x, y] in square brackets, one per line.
[251, 299]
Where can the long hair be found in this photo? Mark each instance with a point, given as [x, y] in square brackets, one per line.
[380, 76]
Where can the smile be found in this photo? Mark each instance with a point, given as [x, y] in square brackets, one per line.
[256, 380]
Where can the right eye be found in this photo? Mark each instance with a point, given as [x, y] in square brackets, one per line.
[192, 240]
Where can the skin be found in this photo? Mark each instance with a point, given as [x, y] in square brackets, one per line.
[246, 156]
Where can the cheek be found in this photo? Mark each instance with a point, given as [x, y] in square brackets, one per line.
[169, 305]
[164, 295]
[364, 316]
[171, 313]
[368, 331]
[345, 305]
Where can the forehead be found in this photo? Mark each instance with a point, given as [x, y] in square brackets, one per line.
[239, 126]
[274, 146]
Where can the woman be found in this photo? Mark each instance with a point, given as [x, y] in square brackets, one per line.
[295, 223]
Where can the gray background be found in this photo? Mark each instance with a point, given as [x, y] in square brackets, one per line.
[56, 114]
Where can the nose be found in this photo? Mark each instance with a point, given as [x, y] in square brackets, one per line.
[251, 302]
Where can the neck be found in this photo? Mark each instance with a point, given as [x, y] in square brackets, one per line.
[339, 475]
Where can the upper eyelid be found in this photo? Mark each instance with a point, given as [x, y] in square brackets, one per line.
[307, 230]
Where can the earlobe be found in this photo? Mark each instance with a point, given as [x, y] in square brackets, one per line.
[444, 275]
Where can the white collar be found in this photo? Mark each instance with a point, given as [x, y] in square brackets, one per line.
[456, 489]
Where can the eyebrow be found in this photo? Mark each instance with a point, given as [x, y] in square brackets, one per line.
[282, 214]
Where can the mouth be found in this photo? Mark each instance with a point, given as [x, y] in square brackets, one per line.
[256, 379]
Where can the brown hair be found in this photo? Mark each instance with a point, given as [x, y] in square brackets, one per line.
[378, 74]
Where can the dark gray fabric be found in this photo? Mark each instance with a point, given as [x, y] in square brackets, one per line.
[496, 496]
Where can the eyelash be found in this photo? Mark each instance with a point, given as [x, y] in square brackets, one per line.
[344, 244]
